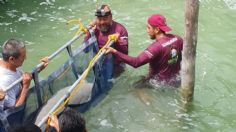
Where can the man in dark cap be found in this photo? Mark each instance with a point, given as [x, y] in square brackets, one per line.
[164, 55]
[104, 26]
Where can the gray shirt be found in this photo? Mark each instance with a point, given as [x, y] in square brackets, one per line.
[7, 77]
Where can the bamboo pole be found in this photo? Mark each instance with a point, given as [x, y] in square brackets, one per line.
[189, 49]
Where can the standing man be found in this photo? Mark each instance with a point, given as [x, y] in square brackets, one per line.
[14, 54]
[104, 26]
[164, 55]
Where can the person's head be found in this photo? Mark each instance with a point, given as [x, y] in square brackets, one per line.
[28, 127]
[103, 18]
[14, 52]
[72, 121]
[156, 24]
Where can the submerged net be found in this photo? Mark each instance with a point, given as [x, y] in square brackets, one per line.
[46, 93]
[62, 78]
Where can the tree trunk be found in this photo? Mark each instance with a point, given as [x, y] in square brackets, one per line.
[189, 49]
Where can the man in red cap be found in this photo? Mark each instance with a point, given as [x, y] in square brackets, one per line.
[104, 26]
[164, 55]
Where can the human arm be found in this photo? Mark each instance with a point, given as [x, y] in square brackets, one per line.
[122, 44]
[92, 25]
[25, 87]
[135, 62]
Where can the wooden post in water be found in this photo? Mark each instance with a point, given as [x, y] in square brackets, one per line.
[189, 49]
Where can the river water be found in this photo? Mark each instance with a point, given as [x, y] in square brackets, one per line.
[41, 25]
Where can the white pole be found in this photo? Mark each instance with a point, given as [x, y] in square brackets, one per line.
[50, 58]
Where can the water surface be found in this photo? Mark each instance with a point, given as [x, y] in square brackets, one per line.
[41, 24]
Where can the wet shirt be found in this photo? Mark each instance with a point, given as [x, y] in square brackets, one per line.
[164, 57]
[121, 45]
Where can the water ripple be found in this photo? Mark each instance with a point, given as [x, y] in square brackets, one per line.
[12, 13]
[231, 4]
[5, 24]
[26, 18]
[47, 3]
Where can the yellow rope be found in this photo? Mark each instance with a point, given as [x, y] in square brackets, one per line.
[82, 28]
[95, 58]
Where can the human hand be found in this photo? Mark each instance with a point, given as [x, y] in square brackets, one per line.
[114, 37]
[117, 36]
[54, 122]
[2, 95]
[26, 78]
[93, 25]
[110, 50]
[45, 62]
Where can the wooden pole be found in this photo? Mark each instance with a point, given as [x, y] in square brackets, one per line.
[189, 50]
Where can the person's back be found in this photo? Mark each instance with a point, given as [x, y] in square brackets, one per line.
[166, 63]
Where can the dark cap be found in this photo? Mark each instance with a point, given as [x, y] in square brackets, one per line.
[102, 11]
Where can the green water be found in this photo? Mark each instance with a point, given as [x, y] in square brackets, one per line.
[214, 106]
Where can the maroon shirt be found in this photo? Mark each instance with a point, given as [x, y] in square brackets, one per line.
[164, 57]
[121, 45]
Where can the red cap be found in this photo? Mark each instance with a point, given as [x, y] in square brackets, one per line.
[159, 21]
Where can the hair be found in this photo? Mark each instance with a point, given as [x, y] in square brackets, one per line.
[29, 127]
[162, 31]
[106, 6]
[11, 48]
[72, 121]
[154, 27]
